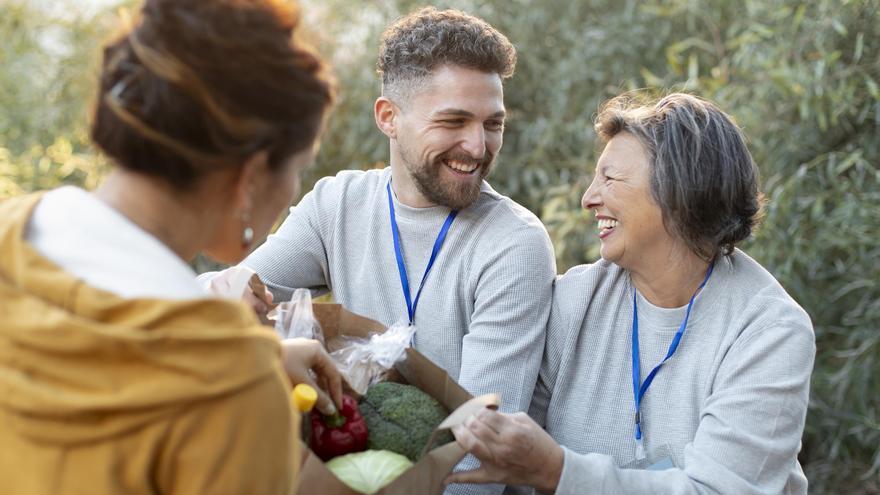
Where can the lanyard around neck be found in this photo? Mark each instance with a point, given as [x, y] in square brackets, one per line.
[398, 253]
[639, 390]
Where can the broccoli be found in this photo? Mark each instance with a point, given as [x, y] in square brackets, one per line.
[400, 418]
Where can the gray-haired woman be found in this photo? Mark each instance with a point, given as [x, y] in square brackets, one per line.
[676, 363]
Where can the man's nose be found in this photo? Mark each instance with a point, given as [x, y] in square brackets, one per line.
[474, 142]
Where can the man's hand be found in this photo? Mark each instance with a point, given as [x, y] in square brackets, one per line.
[302, 355]
[512, 449]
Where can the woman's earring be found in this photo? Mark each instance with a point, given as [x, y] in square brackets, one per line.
[247, 235]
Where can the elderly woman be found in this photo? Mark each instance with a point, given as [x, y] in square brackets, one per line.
[117, 373]
[676, 363]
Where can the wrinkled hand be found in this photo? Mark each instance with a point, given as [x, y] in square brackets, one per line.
[302, 355]
[512, 449]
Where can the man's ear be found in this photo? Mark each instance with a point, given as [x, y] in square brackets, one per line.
[386, 113]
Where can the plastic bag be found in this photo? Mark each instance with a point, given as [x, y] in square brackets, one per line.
[362, 361]
[365, 361]
[295, 318]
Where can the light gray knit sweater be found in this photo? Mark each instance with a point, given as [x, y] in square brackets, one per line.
[729, 406]
[484, 307]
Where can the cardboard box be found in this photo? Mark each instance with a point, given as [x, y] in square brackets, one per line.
[426, 476]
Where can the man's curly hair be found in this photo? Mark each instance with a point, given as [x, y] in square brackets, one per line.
[416, 44]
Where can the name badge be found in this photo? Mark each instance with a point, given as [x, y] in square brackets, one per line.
[656, 460]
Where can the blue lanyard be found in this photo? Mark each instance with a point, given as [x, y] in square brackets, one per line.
[401, 267]
[640, 390]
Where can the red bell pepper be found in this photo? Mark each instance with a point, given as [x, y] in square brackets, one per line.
[341, 433]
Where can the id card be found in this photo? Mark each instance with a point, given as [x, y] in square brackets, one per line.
[655, 460]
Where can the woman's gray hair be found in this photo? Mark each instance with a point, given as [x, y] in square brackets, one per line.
[702, 174]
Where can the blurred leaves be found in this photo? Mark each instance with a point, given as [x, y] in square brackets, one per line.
[40, 168]
[802, 79]
[48, 63]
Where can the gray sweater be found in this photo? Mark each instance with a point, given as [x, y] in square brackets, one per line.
[484, 307]
[728, 408]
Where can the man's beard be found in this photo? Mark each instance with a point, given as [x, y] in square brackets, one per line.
[434, 188]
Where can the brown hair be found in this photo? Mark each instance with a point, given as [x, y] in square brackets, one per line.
[702, 174]
[196, 85]
[418, 43]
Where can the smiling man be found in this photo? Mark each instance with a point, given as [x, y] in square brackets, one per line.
[427, 240]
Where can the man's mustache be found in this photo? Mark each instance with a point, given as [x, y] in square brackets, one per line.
[467, 159]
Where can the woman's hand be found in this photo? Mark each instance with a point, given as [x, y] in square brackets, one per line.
[512, 449]
[241, 282]
[302, 355]
[258, 296]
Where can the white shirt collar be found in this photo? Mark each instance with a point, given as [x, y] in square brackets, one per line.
[92, 241]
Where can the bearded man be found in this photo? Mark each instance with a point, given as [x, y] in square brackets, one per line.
[427, 240]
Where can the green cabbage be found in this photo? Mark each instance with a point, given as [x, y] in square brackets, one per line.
[369, 471]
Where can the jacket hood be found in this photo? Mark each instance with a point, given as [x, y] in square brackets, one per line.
[78, 364]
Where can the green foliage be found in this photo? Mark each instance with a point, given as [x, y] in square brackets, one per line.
[820, 238]
[47, 63]
[802, 78]
[41, 168]
[349, 37]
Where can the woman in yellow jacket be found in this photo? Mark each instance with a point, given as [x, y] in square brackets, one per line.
[117, 374]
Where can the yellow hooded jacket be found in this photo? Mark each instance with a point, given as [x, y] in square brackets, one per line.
[104, 395]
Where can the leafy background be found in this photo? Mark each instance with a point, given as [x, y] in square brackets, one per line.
[800, 77]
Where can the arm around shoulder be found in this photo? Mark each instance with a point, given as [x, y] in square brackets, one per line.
[505, 341]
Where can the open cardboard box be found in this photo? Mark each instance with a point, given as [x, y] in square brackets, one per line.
[426, 476]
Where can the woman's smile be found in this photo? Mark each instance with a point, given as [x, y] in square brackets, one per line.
[606, 226]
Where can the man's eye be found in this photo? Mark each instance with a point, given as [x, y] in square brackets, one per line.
[495, 124]
[453, 121]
